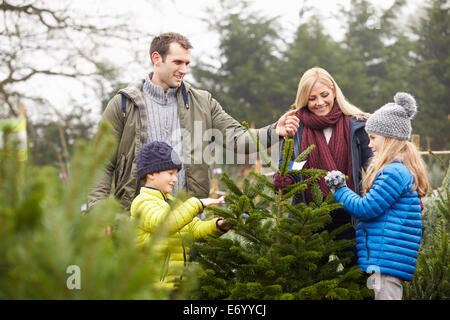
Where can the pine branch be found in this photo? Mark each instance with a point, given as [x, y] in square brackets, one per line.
[243, 204]
[221, 212]
[316, 194]
[287, 152]
[315, 173]
[263, 179]
[305, 153]
[230, 184]
[252, 191]
[298, 187]
[259, 148]
[262, 194]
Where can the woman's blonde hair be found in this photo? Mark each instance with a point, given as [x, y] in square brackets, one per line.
[310, 77]
[403, 150]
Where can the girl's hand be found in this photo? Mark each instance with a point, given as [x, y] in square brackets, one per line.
[335, 180]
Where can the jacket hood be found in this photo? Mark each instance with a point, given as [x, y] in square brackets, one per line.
[355, 124]
[134, 92]
[364, 116]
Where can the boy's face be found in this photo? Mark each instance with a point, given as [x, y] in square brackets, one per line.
[163, 180]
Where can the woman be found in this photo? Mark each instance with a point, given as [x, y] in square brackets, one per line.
[336, 128]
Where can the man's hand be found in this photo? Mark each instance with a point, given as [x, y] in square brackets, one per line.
[287, 124]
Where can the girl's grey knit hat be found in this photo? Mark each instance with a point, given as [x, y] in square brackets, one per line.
[394, 119]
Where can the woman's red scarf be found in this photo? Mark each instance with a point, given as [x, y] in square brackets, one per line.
[332, 156]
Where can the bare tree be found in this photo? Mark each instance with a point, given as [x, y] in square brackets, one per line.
[41, 39]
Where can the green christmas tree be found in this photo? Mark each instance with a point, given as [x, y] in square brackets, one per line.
[276, 250]
[49, 249]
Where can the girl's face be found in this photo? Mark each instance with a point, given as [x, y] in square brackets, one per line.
[376, 142]
[321, 99]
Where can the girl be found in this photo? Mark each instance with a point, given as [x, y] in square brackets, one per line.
[389, 230]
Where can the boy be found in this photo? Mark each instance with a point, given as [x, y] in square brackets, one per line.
[157, 163]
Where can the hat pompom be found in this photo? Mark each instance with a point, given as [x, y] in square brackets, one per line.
[407, 101]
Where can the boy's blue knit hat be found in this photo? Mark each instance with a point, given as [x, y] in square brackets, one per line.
[394, 119]
[155, 157]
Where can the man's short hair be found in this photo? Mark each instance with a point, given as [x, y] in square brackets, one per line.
[162, 42]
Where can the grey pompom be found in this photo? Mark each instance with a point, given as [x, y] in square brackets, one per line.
[407, 101]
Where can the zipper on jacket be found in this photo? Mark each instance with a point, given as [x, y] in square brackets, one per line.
[165, 267]
[184, 254]
[367, 244]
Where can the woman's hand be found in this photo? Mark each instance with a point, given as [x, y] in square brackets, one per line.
[287, 124]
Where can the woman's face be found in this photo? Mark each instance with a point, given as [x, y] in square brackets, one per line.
[321, 99]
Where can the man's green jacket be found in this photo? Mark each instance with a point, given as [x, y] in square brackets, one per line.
[203, 124]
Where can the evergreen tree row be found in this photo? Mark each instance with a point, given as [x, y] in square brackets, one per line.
[259, 66]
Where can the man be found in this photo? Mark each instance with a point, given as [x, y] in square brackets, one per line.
[163, 107]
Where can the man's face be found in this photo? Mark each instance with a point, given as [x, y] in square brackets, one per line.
[170, 72]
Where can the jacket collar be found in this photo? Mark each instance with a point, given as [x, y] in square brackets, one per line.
[354, 122]
[157, 193]
[134, 92]
[154, 192]
[157, 93]
[355, 125]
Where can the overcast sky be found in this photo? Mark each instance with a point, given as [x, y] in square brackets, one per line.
[187, 17]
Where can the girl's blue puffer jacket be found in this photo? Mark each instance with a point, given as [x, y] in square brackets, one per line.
[389, 231]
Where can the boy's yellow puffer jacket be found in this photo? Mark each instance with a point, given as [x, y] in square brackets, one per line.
[182, 226]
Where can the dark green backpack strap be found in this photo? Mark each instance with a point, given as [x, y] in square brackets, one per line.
[124, 105]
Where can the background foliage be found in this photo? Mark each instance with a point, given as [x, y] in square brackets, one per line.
[259, 70]
[432, 278]
[43, 233]
[255, 75]
[256, 78]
